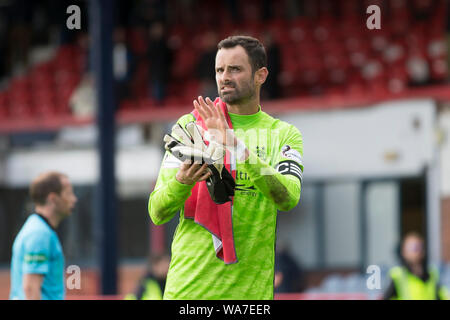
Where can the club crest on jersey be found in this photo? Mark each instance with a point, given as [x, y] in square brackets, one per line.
[289, 153]
[261, 152]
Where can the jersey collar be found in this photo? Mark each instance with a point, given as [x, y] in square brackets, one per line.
[46, 221]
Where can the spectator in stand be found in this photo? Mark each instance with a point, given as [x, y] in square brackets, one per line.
[233, 9]
[19, 42]
[271, 89]
[205, 66]
[122, 64]
[151, 286]
[3, 46]
[418, 70]
[289, 276]
[160, 57]
[422, 10]
[414, 279]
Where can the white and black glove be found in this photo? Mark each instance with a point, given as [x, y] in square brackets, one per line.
[191, 146]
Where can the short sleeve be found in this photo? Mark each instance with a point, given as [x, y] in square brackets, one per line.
[289, 159]
[36, 258]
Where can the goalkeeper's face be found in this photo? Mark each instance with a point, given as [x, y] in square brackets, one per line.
[234, 76]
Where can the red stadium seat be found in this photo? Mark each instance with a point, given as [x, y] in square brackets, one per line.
[326, 48]
[437, 48]
[176, 101]
[45, 94]
[191, 90]
[44, 108]
[397, 78]
[19, 96]
[336, 76]
[184, 63]
[278, 29]
[439, 69]
[137, 40]
[3, 105]
[349, 7]
[146, 103]
[19, 110]
[3, 113]
[128, 105]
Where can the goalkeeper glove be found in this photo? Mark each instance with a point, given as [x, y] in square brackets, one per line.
[191, 145]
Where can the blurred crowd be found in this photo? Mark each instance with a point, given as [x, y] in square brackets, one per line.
[164, 51]
[25, 25]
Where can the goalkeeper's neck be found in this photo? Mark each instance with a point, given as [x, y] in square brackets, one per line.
[247, 106]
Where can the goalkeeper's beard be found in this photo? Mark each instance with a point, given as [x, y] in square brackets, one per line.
[240, 95]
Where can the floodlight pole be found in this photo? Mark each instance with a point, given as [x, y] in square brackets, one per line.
[101, 28]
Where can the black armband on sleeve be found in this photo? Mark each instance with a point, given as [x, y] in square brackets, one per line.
[290, 167]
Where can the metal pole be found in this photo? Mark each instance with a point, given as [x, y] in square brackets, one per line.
[320, 224]
[101, 27]
[363, 227]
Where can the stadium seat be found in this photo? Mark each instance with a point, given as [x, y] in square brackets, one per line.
[128, 105]
[333, 284]
[3, 105]
[44, 108]
[19, 110]
[146, 103]
[184, 63]
[278, 29]
[354, 283]
[137, 40]
[439, 70]
[321, 50]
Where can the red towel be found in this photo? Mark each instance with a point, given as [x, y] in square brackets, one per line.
[216, 218]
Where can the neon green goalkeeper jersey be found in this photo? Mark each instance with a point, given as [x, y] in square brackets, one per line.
[269, 180]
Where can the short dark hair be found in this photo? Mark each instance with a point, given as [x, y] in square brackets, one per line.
[45, 184]
[254, 48]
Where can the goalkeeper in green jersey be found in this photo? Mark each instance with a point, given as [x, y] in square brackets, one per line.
[228, 169]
